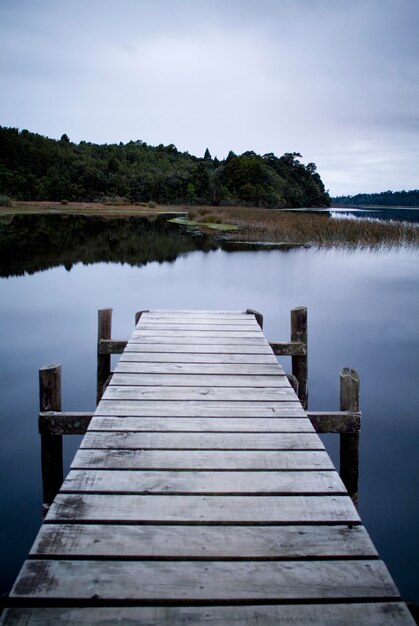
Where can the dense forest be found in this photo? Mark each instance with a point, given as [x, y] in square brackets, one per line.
[385, 198]
[33, 167]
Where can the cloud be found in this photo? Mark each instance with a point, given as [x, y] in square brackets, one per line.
[336, 81]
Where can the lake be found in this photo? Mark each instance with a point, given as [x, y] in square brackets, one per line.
[55, 273]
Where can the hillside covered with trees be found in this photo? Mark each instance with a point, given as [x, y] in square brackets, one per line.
[385, 198]
[33, 167]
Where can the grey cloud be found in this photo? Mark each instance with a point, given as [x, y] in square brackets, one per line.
[337, 80]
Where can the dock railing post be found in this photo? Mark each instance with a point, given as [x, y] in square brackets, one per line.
[138, 315]
[104, 331]
[258, 316]
[51, 445]
[300, 363]
[349, 442]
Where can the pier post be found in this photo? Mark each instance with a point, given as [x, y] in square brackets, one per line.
[138, 315]
[300, 363]
[103, 360]
[258, 316]
[51, 445]
[349, 442]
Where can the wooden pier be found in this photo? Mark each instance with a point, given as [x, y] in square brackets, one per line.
[201, 494]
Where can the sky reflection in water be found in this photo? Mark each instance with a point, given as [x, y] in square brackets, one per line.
[362, 313]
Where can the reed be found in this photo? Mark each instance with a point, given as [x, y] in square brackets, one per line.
[294, 227]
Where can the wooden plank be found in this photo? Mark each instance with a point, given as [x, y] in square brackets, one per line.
[213, 369]
[202, 542]
[289, 348]
[197, 380]
[139, 356]
[197, 313]
[213, 323]
[195, 581]
[335, 422]
[203, 459]
[217, 394]
[202, 441]
[265, 510]
[177, 339]
[197, 347]
[62, 423]
[362, 614]
[107, 347]
[214, 482]
[227, 336]
[201, 326]
[196, 409]
[203, 424]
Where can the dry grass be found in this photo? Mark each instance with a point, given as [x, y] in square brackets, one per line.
[104, 209]
[294, 227]
[254, 224]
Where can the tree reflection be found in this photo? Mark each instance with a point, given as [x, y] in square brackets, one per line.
[34, 243]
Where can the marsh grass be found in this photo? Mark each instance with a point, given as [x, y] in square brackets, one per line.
[294, 227]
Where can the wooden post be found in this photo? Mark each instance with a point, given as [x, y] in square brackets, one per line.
[51, 445]
[103, 360]
[300, 363]
[293, 382]
[258, 316]
[138, 315]
[349, 442]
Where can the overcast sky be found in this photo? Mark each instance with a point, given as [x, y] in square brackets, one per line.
[336, 80]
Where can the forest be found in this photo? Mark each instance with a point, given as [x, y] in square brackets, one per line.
[36, 168]
[385, 198]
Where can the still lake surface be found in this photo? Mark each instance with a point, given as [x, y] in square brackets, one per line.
[55, 273]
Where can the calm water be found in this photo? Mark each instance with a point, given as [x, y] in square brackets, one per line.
[362, 313]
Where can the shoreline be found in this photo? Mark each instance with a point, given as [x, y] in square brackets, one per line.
[255, 226]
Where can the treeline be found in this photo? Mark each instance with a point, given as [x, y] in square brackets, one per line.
[33, 167]
[385, 198]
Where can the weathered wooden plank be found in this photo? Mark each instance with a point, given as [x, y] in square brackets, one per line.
[203, 424]
[198, 380]
[217, 394]
[227, 336]
[202, 542]
[203, 459]
[213, 369]
[203, 358]
[195, 581]
[108, 347]
[175, 482]
[63, 423]
[202, 441]
[329, 614]
[255, 346]
[201, 326]
[177, 339]
[196, 409]
[330, 509]
[196, 313]
[335, 422]
[213, 323]
[288, 348]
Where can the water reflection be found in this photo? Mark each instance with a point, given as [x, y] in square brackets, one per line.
[33, 243]
[361, 314]
[395, 214]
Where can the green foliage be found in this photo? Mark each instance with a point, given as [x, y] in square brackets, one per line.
[385, 198]
[33, 167]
